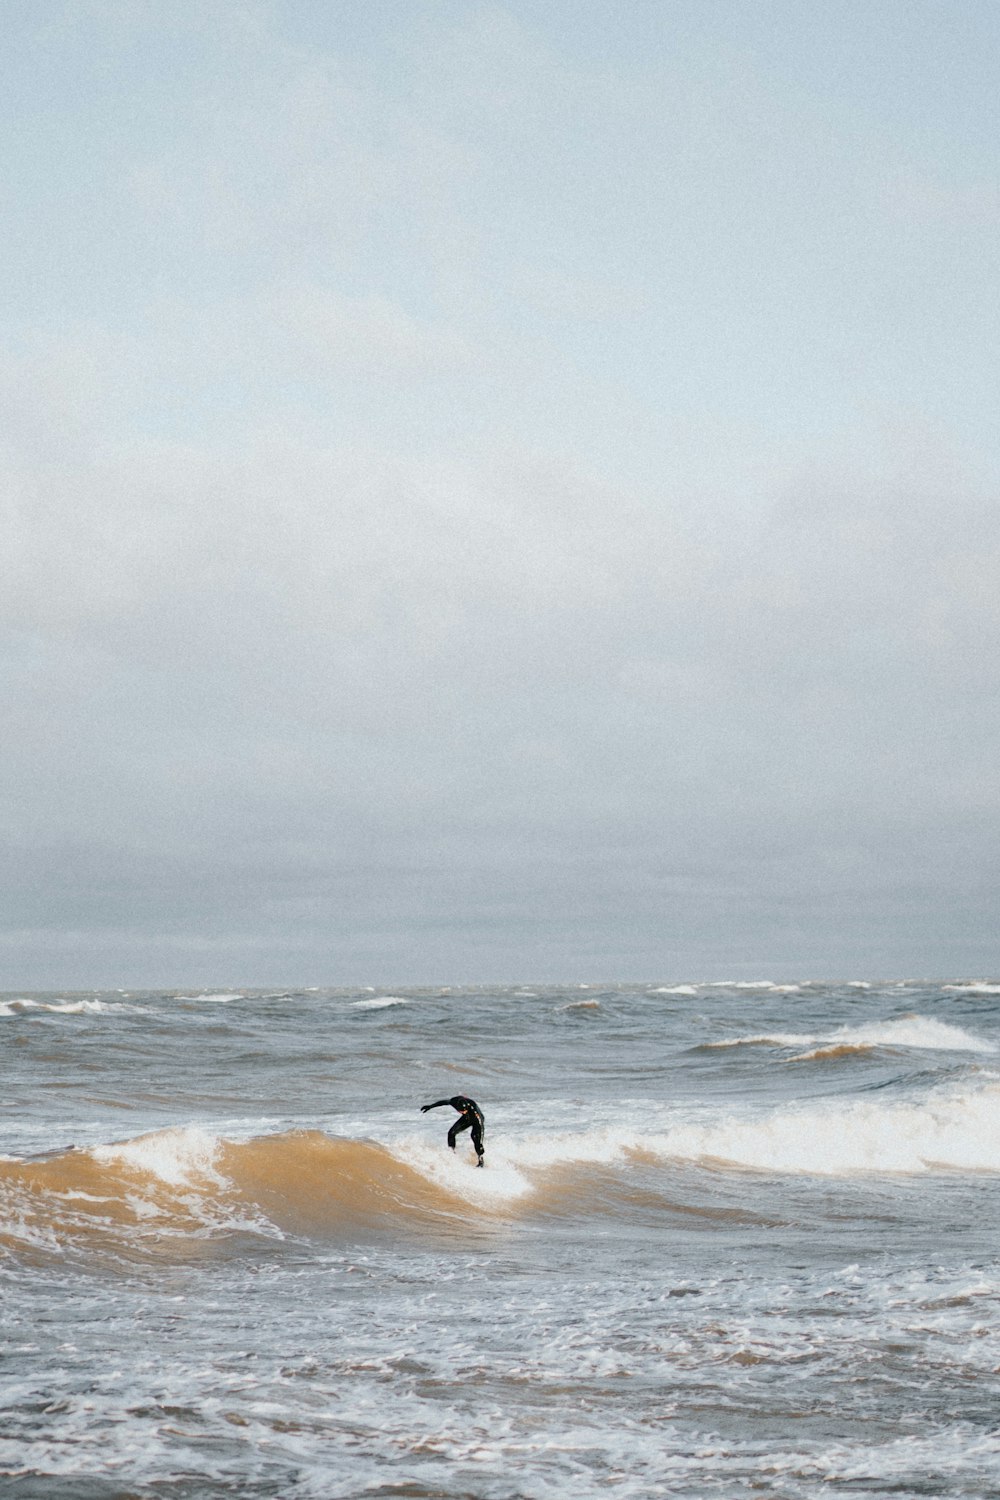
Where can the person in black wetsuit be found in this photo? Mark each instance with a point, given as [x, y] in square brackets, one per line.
[470, 1117]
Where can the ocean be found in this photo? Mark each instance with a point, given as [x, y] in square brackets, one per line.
[731, 1240]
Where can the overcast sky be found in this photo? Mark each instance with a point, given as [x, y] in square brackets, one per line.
[499, 492]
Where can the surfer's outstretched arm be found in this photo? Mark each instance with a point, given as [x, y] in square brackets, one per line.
[425, 1107]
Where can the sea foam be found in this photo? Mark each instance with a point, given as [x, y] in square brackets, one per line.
[177, 1156]
[67, 1007]
[950, 1130]
[920, 1032]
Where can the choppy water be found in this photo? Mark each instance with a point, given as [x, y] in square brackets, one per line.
[731, 1240]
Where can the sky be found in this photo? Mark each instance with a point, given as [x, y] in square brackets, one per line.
[498, 492]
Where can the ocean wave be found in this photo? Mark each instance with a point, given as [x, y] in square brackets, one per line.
[380, 1002]
[79, 1007]
[185, 1186]
[954, 1130]
[221, 997]
[741, 984]
[950, 1128]
[177, 1157]
[917, 1032]
[173, 1189]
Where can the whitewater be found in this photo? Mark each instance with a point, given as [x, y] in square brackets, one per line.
[732, 1239]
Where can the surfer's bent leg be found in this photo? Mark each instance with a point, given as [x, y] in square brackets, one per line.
[477, 1139]
[462, 1123]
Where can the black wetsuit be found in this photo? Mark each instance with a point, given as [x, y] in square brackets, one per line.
[470, 1118]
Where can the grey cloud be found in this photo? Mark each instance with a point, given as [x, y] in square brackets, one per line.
[353, 614]
[315, 700]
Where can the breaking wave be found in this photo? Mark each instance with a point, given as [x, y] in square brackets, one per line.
[917, 1032]
[950, 1130]
[214, 997]
[185, 1190]
[184, 1186]
[78, 1007]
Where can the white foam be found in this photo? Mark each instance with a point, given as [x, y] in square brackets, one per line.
[175, 1156]
[379, 1002]
[952, 1129]
[955, 1130]
[743, 984]
[920, 1032]
[224, 997]
[67, 1007]
[974, 987]
[675, 989]
[908, 1459]
[512, 1162]
[500, 1181]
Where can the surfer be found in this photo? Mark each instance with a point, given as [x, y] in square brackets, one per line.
[470, 1117]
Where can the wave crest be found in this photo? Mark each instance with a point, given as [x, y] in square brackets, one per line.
[921, 1033]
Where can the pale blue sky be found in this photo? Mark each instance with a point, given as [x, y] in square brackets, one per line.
[498, 491]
